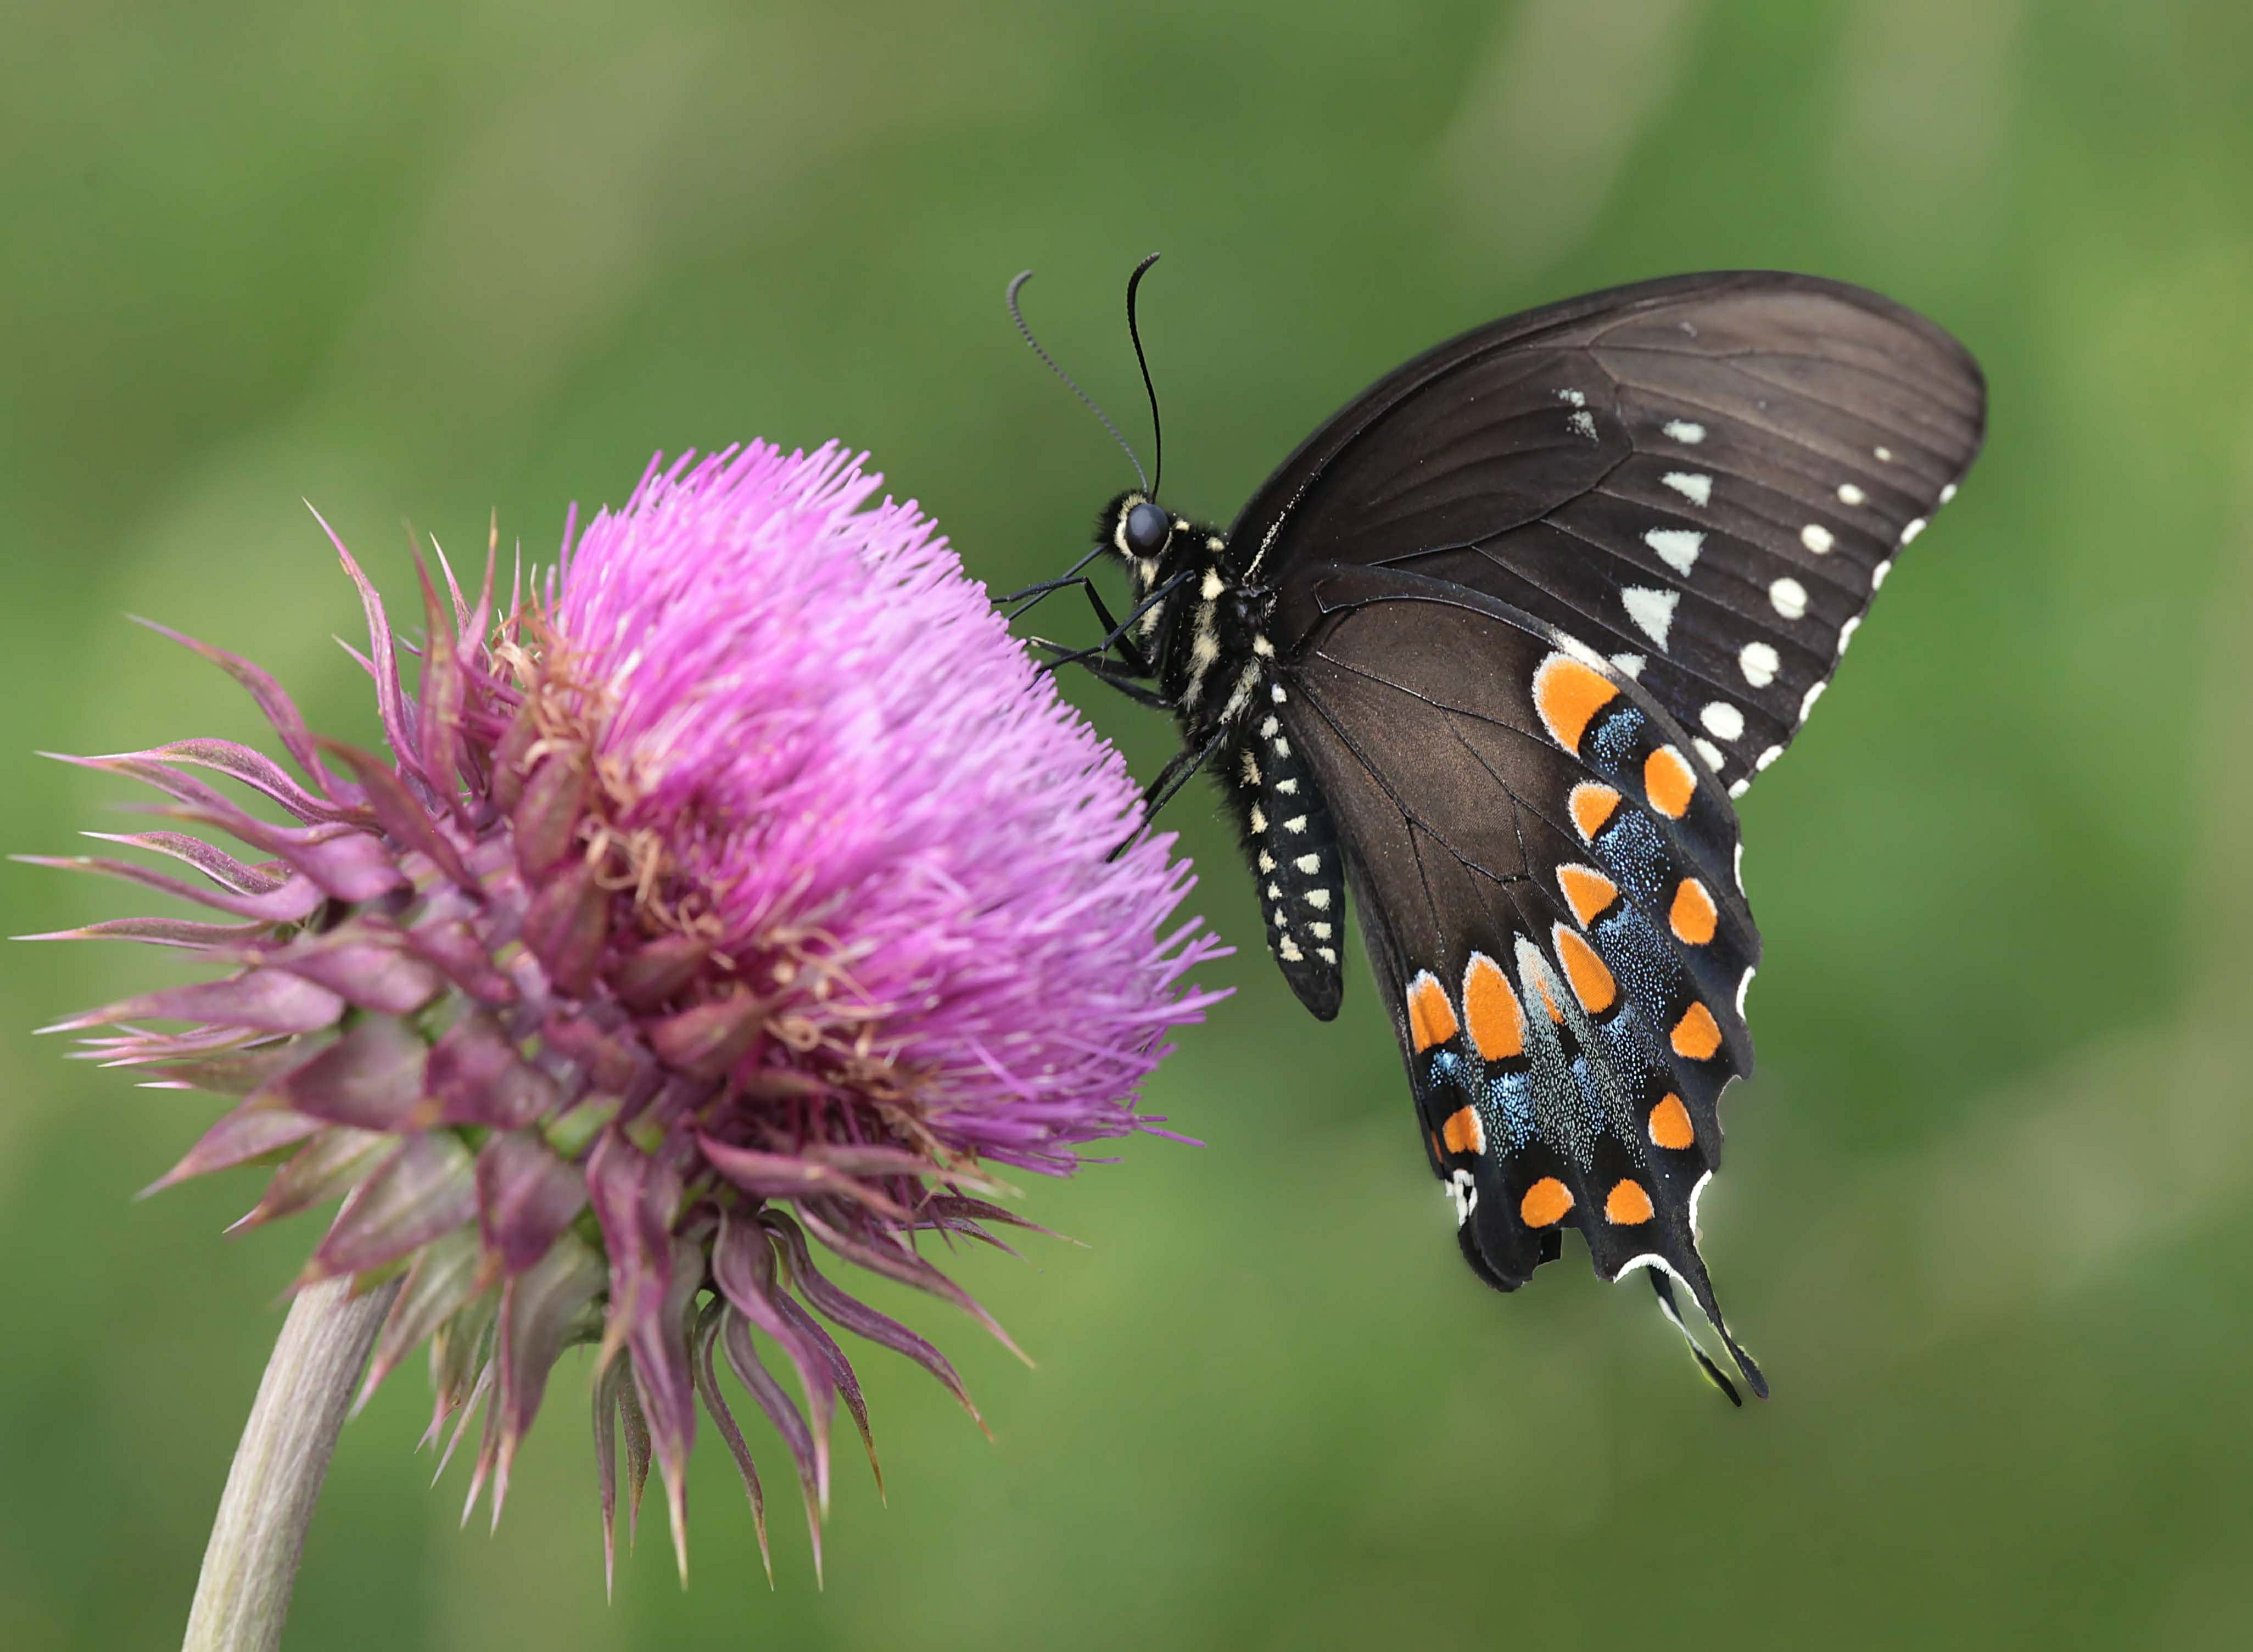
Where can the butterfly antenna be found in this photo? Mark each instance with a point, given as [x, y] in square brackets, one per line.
[1157, 431]
[1018, 316]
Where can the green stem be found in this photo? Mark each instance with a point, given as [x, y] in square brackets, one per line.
[251, 1562]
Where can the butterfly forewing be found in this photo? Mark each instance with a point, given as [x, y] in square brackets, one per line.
[1705, 478]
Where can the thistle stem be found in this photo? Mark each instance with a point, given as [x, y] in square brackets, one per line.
[251, 1562]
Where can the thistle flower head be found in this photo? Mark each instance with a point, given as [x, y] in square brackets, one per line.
[741, 894]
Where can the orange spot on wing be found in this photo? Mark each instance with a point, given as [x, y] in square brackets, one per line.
[1490, 1010]
[1590, 804]
[1669, 782]
[1587, 891]
[1669, 1123]
[1548, 1002]
[1697, 1035]
[1567, 694]
[1694, 913]
[1431, 1018]
[1591, 983]
[1627, 1205]
[1545, 1202]
[1463, 1132]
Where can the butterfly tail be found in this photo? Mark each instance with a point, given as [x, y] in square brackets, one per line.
[1701, 1288]
[1664, 1286]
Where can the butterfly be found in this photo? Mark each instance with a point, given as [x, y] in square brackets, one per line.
[1492, 654]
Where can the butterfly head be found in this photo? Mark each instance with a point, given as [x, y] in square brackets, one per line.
[1142, 533]
[1136, 526]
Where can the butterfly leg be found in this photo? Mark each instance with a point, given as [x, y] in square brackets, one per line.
[1171, 778]
[1177, 773]
[1118, 633]
[1033, 595]
[1123, 678]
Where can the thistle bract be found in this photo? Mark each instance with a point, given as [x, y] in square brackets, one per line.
[734, 906]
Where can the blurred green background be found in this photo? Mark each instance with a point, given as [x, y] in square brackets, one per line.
[1988, 1216]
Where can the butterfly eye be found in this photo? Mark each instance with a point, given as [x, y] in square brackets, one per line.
[1146, 528]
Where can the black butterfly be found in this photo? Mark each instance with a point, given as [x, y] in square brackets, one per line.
[1495, 649]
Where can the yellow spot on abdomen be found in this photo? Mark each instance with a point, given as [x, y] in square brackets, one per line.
[1463, 1132]
[1591, 983]
[1545, 1202]
[1431, 1018]
[1497, 1026]
[1693, 914]
[1627, 1205]
[1568, 695]
[1591, 803]
[1587, 891]
[1669, 1123]
[1669, 782]
[1697, 1035]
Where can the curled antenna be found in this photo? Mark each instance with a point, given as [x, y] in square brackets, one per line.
[1157, 431]
[1018, 316]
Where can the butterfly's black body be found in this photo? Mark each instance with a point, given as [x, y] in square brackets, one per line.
[1496, 649]
[1206, 642]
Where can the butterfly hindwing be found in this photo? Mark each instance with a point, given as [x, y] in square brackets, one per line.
[1547, 881]
[1705, 479]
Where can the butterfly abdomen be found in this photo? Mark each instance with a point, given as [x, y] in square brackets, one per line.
[1291, 839]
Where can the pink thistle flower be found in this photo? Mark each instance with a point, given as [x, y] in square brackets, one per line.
[744, 892]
